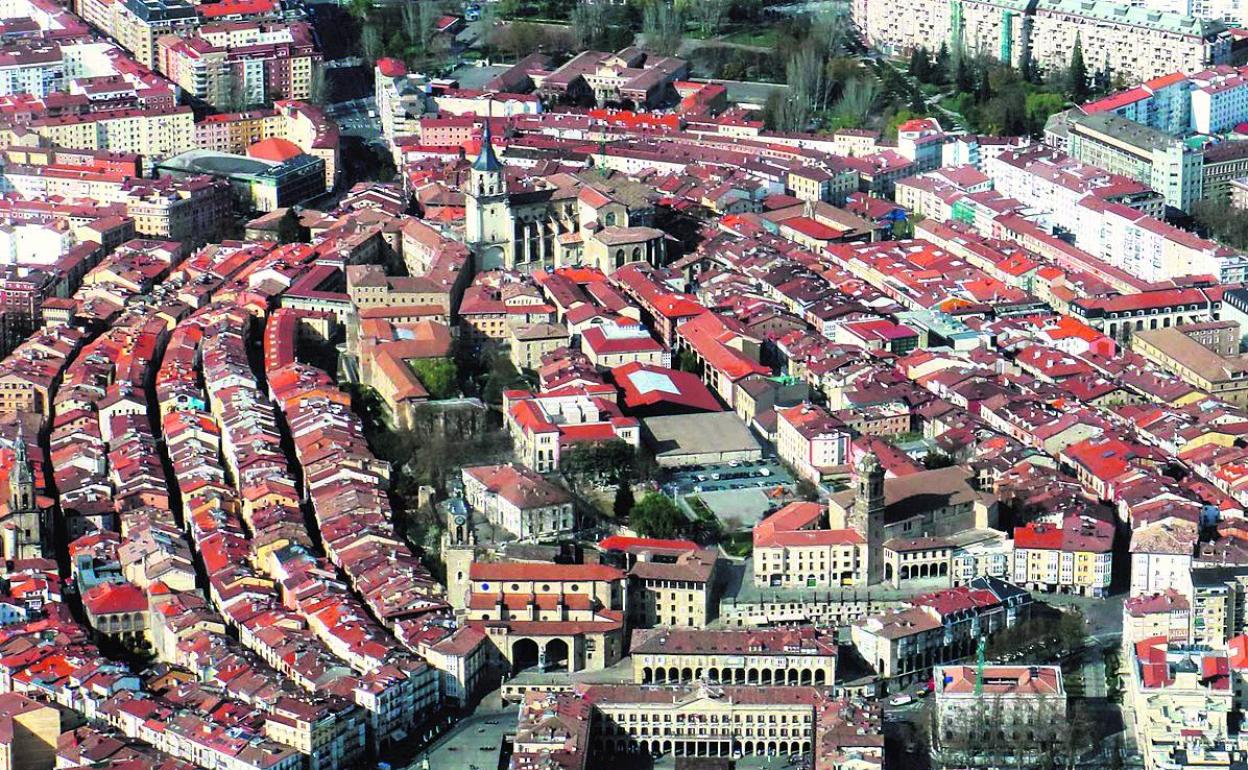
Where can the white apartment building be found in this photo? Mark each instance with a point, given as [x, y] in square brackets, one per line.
[811, 440]
[1161, 557]
[1137, 43]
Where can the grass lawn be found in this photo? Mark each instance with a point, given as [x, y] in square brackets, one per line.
[764, 38]
[738, 544]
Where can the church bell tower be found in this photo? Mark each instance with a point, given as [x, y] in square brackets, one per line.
[487, 210]
[867, 516]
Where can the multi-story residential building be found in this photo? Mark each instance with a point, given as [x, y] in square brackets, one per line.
[1076, 557]
[1166, 164]
[670, 582]
[1218, 604]
[1115, 37]
[137, 24]
[330, 731]
[799, 656]
[1122, 315]
[1161, 556]
[1167, 614]
[460, 656]
[299, 122]
[519, 501]
[153, 133]
[1180, 352]
[997, 714]
[545, 425]
[24, 69]
[812, 441]
[942, 627]
[240, 64]
[794, 548]
[1181, 700]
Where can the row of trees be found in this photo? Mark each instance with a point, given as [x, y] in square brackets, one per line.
[408, 34]
[993, 96]
[827, 88]
[1220, 220]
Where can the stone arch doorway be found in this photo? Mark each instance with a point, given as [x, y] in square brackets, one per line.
[524, 654]
[556, 655]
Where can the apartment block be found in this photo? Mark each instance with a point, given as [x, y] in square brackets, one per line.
[1147, 155]
[1115, 37]
[241, 63]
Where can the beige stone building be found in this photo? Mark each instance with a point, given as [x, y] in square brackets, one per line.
[941, 627]
[1219, 375]
[1175, 693]
[998, 714]
[704, 720]
[935, 503]
[519, 501]
[554, 616]
[613, 247]
[679, 590]
[528, 342]
[28, 733]
[793, 548]
[762, 656]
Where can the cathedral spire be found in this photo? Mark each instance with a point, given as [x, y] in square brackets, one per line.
[21, 461]
[486, 160]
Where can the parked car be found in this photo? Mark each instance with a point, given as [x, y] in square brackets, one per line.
[900, 700]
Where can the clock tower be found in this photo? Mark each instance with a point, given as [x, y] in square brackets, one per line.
[459, 550]
[487, 226]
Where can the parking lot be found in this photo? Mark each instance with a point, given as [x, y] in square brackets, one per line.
[357, 117]
[738, 493]
[759, 474]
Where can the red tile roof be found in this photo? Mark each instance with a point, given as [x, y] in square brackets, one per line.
[568, 573]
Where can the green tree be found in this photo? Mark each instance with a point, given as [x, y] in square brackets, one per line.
[439, 376]
[936, 459]
[319, 87]
[663, 27]
[920, 66]
[940, 74]
[612, 461]
[624, 500]
[288, 228]
[589, 24]
[427, 21]
[806, 75]
[657, 516]
[709, 15]
[899, 117]
[502, 375]
[1077, 74]
[963, 77]
[360, 9]
[1219, 220]
[1039, 107]
[370, 42]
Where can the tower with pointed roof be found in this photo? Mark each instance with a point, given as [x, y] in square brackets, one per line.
[22, 533]
[487, 208]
